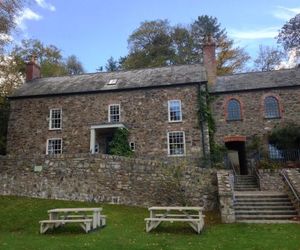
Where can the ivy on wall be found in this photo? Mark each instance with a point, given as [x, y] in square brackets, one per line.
[205, 115]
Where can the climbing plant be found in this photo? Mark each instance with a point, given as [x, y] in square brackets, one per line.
[205, 115]
[119, 144]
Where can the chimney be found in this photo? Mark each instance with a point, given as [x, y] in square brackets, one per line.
[209, 59]
[33, 70]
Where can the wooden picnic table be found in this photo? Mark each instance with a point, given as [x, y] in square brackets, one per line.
[88, 218]
[192, 215]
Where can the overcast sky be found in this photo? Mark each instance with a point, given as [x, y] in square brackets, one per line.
[94, 30]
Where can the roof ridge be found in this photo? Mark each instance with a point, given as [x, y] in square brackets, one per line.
[123, 70]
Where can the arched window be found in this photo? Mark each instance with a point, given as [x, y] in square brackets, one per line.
[233, 110]
[271, 107]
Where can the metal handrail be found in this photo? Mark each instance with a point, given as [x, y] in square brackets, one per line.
[290, 185]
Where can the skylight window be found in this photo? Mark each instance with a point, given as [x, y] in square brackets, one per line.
[112, 82]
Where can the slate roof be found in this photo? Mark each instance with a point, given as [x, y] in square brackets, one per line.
[151, 77]
[257, 80]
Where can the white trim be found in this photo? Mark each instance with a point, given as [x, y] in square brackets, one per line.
[169, 117]
[109, 111]
[133, 143]
[115, 125]
[184, 146]
[50, 119]
[47, 144]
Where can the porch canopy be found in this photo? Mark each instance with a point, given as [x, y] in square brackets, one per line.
[101, 135]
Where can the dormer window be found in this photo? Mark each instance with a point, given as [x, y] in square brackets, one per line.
[112, 82]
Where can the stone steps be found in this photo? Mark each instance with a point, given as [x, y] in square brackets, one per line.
[245, 183]
[263, 206]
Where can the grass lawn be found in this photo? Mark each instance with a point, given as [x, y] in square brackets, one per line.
[19, 229]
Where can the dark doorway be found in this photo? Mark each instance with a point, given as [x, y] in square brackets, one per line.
[108, 140]
[240, 148]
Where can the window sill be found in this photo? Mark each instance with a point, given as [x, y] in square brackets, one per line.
[175, 121]
[272, 118]
[55, 128]
[238, 120]
[176, 155]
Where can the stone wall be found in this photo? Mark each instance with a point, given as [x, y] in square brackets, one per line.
[253, 120]
[270, 180]
[144, 112]
[108, 178]
[293, 176]
[225, 190]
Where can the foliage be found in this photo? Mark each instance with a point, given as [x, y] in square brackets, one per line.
[268, 58]
[119, 144]
[287, 137]
[157, 43]
[8, 12]
[74, 66]
[48, 56]
[126, 230]
[150, 45]
[217, 152]
[254, 145]
[268, 164]
[289, 34]
[112, 65]
[4, 114]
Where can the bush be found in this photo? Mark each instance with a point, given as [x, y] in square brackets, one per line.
[287, 137]
[119, 144]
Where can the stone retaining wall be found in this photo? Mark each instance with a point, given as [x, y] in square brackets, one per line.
[225, 189]
[270, 180]
[108, 178]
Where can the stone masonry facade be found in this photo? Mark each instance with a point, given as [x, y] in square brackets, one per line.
[253, 120]
[144, 112]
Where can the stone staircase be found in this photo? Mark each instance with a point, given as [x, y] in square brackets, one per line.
[263, 207]
[245, 183]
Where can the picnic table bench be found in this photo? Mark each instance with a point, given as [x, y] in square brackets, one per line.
[192, 215]
[87, 218]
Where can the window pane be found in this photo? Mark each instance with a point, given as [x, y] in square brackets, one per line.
[114, 113]
[175, 110]
[54, 146]
[271, 107]
[55, 121]
[233, 110]
[176, 143]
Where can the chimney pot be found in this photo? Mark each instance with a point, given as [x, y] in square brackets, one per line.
[209, 59]
[33, 70]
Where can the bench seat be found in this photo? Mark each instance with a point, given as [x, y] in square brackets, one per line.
[46, 224]
[172, 219]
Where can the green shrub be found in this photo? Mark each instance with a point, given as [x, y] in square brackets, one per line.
[119, 144]
[287, 137]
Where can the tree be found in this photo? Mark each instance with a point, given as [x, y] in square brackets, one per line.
[150, 45]
[289, 34]
[49, 57]
[8, 11]
[268, 58]
[230, 59]
[156, 43]
[74, 66]
[112, 65]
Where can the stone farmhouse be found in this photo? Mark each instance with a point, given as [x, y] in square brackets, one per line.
[159, 107]
[60, 130]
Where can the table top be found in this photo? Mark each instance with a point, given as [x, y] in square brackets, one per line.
[88, 209]
[176, 208]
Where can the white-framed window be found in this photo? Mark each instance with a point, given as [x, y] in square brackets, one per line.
[176, 143]
[174, 108]
[55, 119]
[114, 113]
[54, 146]
[132, 146]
